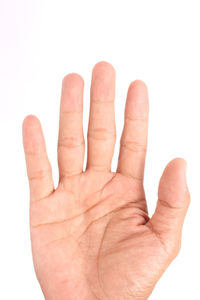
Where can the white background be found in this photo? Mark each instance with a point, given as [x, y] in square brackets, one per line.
[41, 41]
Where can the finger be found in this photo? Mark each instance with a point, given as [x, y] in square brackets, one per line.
[134, 137]
[71, 140]
[101, 129]
[38, 166]
[173, 202]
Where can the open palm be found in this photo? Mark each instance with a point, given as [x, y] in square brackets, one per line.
[92, 237]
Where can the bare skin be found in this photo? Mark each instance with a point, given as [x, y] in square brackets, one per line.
[91, 236]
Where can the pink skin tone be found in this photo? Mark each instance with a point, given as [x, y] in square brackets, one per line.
[91, 236]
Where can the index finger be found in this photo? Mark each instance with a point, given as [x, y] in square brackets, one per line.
[134, 137]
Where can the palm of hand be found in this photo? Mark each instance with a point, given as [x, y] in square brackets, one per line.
[92, 237]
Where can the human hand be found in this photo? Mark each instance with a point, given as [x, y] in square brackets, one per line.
[92, 237]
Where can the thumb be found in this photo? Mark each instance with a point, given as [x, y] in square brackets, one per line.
[172, 205]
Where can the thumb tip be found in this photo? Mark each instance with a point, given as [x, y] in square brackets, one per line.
[177, 168]
[173, 183]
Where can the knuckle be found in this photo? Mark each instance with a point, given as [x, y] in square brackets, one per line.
[71, 142]
[133, 146]
[39, 174]
[101, 134]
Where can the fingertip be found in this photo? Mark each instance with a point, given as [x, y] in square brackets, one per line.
[29, 122]
[103, 82]
[72, 93]
[103, 67]
[137, 104]
[72, 80]
[30, 119]
[32, 134]
[139, 85]
[138, 92]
